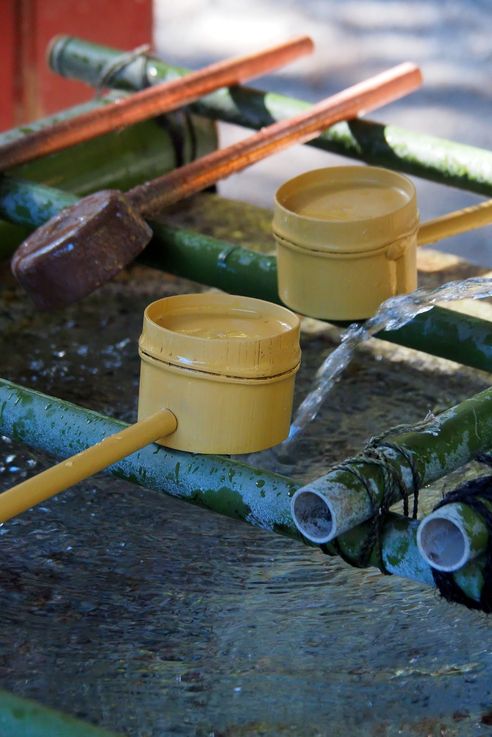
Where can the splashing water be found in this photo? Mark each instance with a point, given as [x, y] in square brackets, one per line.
[393, 314]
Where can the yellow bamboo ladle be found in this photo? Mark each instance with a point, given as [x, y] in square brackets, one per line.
[347, 239]
[221, 371]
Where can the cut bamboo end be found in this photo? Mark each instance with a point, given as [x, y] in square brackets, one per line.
[313, 516]
[443, 541]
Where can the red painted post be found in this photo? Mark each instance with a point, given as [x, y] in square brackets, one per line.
[26, 28]
[9, 83]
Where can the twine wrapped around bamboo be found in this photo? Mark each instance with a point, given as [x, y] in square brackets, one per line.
[221, 484]
[430, 157]
[392, 468]
[458, 531]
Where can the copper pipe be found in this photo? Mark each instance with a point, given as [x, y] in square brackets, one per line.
[150, 102]
[152, 196]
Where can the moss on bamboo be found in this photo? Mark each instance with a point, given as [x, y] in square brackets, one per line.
[429, 157]
[239, 270]
[352, 492]
[223, 485]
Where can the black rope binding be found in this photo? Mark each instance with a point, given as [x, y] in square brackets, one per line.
[474, 493]
[394, 487]
[115, 65]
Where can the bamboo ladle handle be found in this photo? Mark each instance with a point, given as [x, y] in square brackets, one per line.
[150, 198]
[454, 223]
[84, 464]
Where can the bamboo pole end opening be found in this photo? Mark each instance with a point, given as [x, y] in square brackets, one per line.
[443, 544]
[313, 516]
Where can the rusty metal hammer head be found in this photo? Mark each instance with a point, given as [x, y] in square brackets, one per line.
[79, 249]
[87, 244]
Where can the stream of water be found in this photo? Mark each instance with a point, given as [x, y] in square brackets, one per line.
[393, 314]
[152, 617]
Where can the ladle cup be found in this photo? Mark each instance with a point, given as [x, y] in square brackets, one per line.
[217, 376]
[347, 239]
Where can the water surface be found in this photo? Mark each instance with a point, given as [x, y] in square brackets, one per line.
[153, 618]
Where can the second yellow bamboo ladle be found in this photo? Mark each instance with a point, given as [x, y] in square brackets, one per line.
[219, 370]
[347, 239]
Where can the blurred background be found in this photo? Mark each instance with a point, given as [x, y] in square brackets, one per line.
[449, 39]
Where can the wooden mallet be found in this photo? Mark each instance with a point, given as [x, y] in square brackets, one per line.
[87, 244]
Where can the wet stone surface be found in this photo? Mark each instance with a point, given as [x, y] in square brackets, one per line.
[152, 617]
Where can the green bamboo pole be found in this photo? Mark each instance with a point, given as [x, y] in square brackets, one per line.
[433, 158]
[121, 159]
[226, 486]
[29, 204]
[223, 485]
[440, 332]
[124, 157]
[239, 270]
[21, 717]
[350, 494]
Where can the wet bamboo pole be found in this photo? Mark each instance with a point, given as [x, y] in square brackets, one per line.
[217, 263]
[129, 156]
[429, 157]
[149, 102]
[121, 159]
[349, 494]
[21, 717]
[221, 484]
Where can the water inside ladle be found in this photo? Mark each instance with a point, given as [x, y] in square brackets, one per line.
[393, 314]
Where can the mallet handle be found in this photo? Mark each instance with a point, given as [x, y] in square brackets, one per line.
[150, 102]
[152, 196]
[86, 463]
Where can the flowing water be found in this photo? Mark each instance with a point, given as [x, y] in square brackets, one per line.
[391, 315]
[157, 619]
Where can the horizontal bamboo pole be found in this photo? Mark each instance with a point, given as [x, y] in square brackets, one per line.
[226, 486]
[348, 495]
[430, 157]
[88, 462]
[21, 717]
[439, 332]
[223, 485]
[239, 270]
[126, 156]
[121, 159]
[151, 197]
[149, 102]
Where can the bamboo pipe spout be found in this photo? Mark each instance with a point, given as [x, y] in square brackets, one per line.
[86, 463]
[452, 535]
